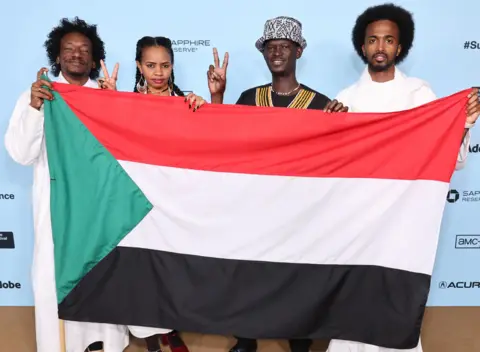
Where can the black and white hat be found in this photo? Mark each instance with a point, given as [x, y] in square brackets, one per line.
[282, 28]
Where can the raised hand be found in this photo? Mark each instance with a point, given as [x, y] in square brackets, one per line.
[107, 81]
[217, 75]
[39, 94]
[335, 106]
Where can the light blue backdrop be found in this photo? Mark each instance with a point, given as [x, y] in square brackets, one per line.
[328, 65]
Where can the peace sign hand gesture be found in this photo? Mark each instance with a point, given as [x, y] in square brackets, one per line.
[217, 76]
[108, 82]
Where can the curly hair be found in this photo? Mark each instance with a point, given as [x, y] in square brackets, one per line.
[390, 12]
[52, 44]
[148, 42]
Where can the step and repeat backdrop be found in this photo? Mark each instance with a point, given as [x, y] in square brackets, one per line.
[446, 53]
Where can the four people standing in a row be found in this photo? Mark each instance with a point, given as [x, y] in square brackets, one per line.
[382, 36]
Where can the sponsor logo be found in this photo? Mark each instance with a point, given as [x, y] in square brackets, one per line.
[454, 196]
[6, 240]
[6, 196]
[189, 46]
[474, 148]
[9, 285]
[471, 44]
[458, 284]
[467, 242]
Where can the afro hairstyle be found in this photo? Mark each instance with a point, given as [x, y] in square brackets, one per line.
[391, 12]
[52, 44]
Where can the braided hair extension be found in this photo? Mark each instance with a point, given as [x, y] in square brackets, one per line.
[148, 42]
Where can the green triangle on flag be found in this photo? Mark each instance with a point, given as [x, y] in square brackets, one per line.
[94, 203]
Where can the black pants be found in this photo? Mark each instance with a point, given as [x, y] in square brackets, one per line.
[296, 345]
[152, 344]
[300, 345]
[96, 346]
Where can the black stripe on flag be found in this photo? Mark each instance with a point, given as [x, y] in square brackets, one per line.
[369, 304]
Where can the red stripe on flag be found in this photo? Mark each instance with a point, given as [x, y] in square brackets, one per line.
[415, 144]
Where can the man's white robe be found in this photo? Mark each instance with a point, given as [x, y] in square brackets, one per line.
[25, 142]
[401, 93]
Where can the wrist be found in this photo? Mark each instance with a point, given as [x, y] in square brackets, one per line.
[217, 98]
[35, 106]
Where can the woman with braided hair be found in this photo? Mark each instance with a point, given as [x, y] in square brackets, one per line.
[155, 75]
[154, 58]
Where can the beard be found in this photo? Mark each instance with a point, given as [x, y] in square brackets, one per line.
[78, 74]
[380, 67]
[82, 69]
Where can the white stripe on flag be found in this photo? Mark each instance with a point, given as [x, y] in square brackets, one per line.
[382, 222]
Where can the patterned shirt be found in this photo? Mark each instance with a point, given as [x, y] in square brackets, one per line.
[306, 98]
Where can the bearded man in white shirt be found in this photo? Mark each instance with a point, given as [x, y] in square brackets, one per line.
[382, 36]
[75, 52]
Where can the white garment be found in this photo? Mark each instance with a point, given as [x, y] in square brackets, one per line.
[349, 346]
[401, 93]
[25, 142]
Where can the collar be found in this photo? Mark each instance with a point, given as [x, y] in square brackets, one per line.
[366, 78]
[90, 83]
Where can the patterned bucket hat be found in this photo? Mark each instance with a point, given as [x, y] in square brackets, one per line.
[282, 28]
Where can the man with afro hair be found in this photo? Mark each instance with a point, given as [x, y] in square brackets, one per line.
[75, 53]
[383, 36]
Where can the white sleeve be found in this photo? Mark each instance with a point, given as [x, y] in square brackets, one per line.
[425, 95]
[24, 136]
[462, 155]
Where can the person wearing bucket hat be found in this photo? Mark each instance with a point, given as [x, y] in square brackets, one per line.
[281, 44]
